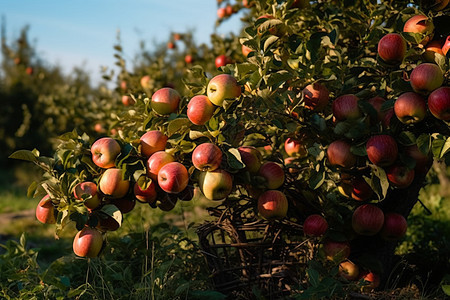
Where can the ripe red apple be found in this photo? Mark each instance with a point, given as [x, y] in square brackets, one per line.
[377, 103]
[29, 70]
[173, 177]
[367, 219]
[145, 82]
[431, 49]
[420, 24]
[88, 242]
[45, 211]
[372, 281]
[394, 227]
[251, 157]
[272, 204]
[246, 50]
[200, 110]
[107, 223]
[410, 108]
[104, 152]
[167, 203]
[112, 183]
[392, 48]
[446, 45]
[348, 270]
[273, 173]
[426, 77]
[400, 176]
[346, 107]
[123, 85]
[316, 96]
[207, 157]
[339, 154]
[125, 205]
[295, 147]
[153, 141]
[165, 101]
[216, 185]
[171, 45]
[221, 12]
[361, 190]
[189, 59]
[336, 251]
[315, 225]
[439, 4]
[382, 150]
[147, 195]
[87, 189]
[439, 103]
[127, 100]
[229, 10]
[98, 127]
[156, 161]
[223, 87]
[222, 60]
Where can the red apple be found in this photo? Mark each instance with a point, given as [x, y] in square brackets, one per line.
[367, 219]
[123, 85]
[207, 157]
[273, 173]
[167, 203]
[45, 211]
[377, 103]
[316, 96]
[156, 161]
[200, 110]
[171, 45]
[87, 189]
[251, 157]
[394, 227]
[153, 141]
[98, 127]
[107, 223]
[336, 251]
[361, 190]
[400, 176]
[382, 150]
[246, 50]
[439, 4]
[229, 10]
[295, 147]
[223, 87]
[392, 48]
[439, 103]
[315, 225]
[165, 101]
[348, 270]
[423, 160]
[104, 152]
[145, 82]
[346, 107]
[189, 59]
[446, 45]
[147, 195]
[420, 24]
[293, 165]
[112, 183]
[410, 108]
[222, 60]
[372, 281]
[432, 48]
[339, 154]
[127, 100]
[426, 77]
[88, 242]
[173, 177]
[125, 205]
[221, 12]
[272, 204]
[216, 185]
[29, 70]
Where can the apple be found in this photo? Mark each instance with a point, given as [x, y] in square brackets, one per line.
[273, 173]
[251, 157]
[315, 225]
[400, 176]
[223, 87]
[107, 223]
[112, 183]
[156, 161]
[431, 49]
[316, 96]
[86, 189]
[173, 177]
[300, 4]
[246, 50]
[348, 270]
[339, 154]
[207, 157]
[127, 100]
[167, 202]
[367, 219]
[439, 103]
[382, 150]
[248, 3]
[420, 24]
[394, 227]
[361, 190]
[147, 195]
[189, 193]
[189, 59]
[145, 82]
[336, 251]
[165, 101]
[372, 281]
[377, 103]
[215, 185]
[426, 77]
[200, 110]
[221, 12]
[125, 205]
[410, 108]
[88, 242]
[293, 165]
[104, 152]
[29, 70]
[440, 4]
[222, 60]
[153, 141]
[123, 85]
[392, 48]
[346, 107]
[98, 127]
[272, 204]
[45, 211]
[295, 147]
[423, 160]
[229, 10]
[446, 45]
[177, 36]
[171, 45]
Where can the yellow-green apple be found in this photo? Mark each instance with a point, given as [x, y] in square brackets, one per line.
[153, 141]
[222, 60]
[246, 50]
[392, 48]
[156, 161]
[426, 77]
[87, 191]
[423, 160]
[112, 183]
[361, 190]
[146, 195]
[273, 173]
[316, 96]
[207, 157]
[439, 103]
[420, 24]
[400, 176]
[127, 100]
[216, 185]
[336, 251]
[339, 154]
[88, 242]
[315, 225]
[223, 87]
[173, 177]
[104, 152]
[145, 82]
[432, 48]
[295, 147]
[382, 150]
[367, 219]
[446, 45]
[272, 204]
[189, 59]
[410, 108]
[251, 157]
[165, 101]
[348, 270]
[125, 204]
[45, 211]
[394, 227]
[346, 107]
[200, 110]
[372, 281]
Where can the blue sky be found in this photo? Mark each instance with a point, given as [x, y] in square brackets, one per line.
[82, 33]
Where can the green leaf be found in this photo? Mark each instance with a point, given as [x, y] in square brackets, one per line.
[234, 159]
[313, 276]
[270, 42]
[379, 182]
[446, 289]
[407, 138]
[317, 178]
[178, 125]
[207, 295]
[32, 189]
[424, 143]
[26, 155]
